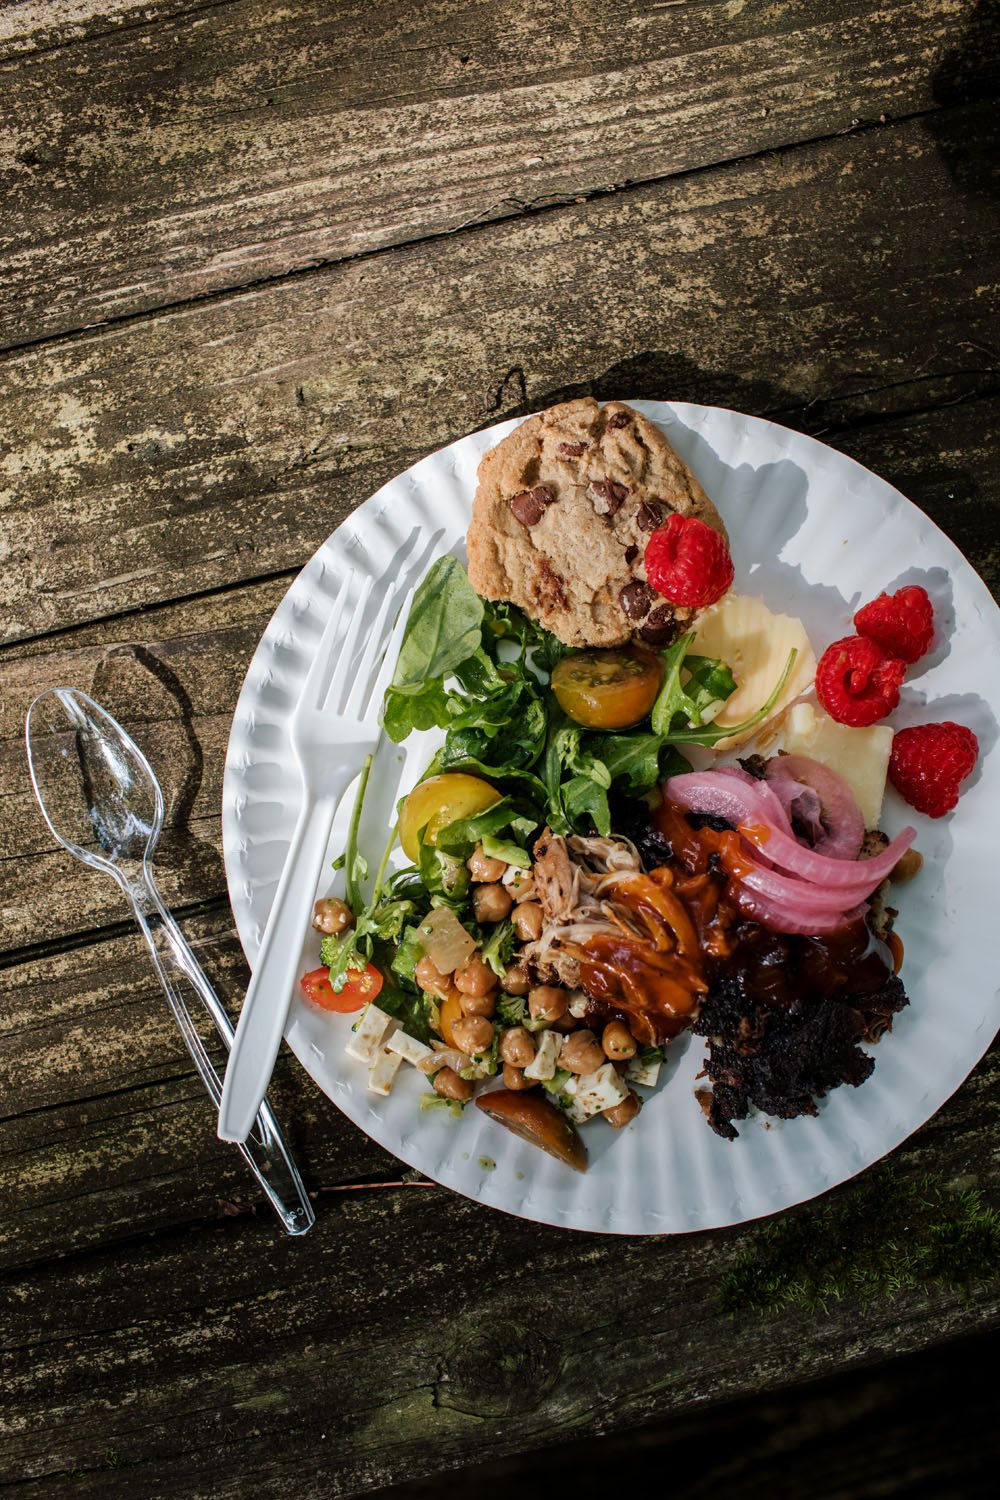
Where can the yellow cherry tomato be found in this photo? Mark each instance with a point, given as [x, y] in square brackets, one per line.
[450, 1012]
[439, 801]
[607, 689]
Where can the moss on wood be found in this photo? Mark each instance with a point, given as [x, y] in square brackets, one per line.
[887, 1234]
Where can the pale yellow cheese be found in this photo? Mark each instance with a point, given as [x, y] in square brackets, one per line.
[754, 643]
[860, 756]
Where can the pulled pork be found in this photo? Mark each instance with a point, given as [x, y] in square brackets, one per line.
[620, 933]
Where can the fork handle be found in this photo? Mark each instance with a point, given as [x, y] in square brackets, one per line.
[265, 1009]
[180, 973]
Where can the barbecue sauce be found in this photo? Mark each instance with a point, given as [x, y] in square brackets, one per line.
[771, 968]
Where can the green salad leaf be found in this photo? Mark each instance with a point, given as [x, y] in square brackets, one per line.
[685, 707]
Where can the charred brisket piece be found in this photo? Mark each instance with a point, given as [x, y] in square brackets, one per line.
[781, 1060]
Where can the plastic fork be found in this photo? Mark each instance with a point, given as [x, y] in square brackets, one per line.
[334, 726]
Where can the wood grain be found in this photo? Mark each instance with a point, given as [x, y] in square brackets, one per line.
[224, 442]
[107, 1131]
[312, 1364]
[191, 149]
[924, 1424]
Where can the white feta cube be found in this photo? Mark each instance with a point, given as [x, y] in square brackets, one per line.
[409, 1049]
[372, 1030]
[383, 1070]
[593, 1092]
[643, 1073]
[543, 1064]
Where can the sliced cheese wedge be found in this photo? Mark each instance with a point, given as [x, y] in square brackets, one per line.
[860, 756]
[754, 643]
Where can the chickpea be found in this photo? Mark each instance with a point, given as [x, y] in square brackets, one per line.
[547, 1003]
[517, 980]
[528, 921]
[475, 978]
[617, 1041]
[472, 1034]
[910, 863]
[478, 1005]
[491, 903]
[517, 1047]
[429, 977]
[514, 1079]
[448, 1084]
[482, 867]
[332, 916]
[581, 1052]
[565, 1022]
[620, 1114]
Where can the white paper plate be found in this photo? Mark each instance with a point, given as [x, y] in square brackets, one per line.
[815, 535]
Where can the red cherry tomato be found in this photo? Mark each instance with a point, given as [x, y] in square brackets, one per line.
[362, 985]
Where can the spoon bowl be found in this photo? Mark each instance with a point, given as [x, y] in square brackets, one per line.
[96, 789]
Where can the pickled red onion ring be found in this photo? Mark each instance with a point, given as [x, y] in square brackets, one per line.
[790, 887]
[843, 824]
[778, 920]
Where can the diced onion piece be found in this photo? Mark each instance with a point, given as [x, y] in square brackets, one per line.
[446, 942]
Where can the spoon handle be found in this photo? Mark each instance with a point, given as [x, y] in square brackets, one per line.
[179, 973]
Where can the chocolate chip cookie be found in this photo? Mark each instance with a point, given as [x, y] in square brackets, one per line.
[563, 511]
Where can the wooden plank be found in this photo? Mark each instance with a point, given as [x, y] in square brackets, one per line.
[107, 1131]
[927, 1420]
[157, 162]
[172, 676]
[41, 25]
[313, 1363]
[223, 442]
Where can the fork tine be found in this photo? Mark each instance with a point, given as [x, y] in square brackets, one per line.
[341, 672]
[311, 688]
[361, 684]
[388, 667]
[362, 689]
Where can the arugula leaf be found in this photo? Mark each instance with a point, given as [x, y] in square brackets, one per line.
[443, 629]
[354, 864]
[709, 685]
[404, 712]
[444, 875]
[585, 799]
[577, 799]
[641, 759]
[456, 755]
[672, 701]
[408, 954]
[462, 836]
[683, 711]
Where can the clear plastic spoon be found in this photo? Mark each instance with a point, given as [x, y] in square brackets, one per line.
[100, 798]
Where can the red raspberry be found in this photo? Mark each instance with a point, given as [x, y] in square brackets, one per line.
[902, 623]
[856, 682]
[928, 763]
[688, 562]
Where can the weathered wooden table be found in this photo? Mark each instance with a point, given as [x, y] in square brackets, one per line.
[257, 258]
